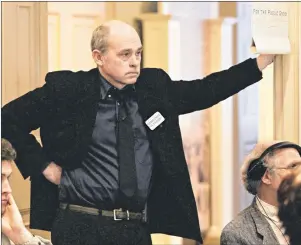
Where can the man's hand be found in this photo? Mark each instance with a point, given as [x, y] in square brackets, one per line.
[12, 224]
[264, 60]
[53, 173]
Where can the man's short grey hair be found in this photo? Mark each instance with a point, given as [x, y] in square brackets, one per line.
[253, 185]
[8, 153]
[99, 39]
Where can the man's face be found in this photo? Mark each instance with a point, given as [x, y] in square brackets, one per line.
[6, 189]
[285, 162]
[121, 62]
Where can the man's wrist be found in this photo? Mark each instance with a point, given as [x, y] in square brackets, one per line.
[21, 236]
[260, 63]
[45, 165]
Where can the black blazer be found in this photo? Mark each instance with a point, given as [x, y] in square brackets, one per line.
[65, 110]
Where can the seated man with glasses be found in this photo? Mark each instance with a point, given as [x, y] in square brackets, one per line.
[262, 173]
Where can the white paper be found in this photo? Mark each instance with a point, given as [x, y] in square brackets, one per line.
[270, 27]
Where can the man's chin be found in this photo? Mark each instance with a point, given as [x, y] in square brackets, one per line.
[130, 81]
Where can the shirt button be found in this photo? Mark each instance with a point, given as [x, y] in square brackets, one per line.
[118, 103]
[109, 96]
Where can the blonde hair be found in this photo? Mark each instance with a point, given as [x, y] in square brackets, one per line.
[99, 40]
[253, 185]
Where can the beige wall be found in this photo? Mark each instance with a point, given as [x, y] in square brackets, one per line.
[128, 11]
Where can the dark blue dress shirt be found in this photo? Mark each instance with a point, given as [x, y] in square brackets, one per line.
[95, 183]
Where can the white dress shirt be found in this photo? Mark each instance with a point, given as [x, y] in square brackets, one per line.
[271, 214]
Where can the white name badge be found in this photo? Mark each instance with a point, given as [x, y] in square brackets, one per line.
[155, 120]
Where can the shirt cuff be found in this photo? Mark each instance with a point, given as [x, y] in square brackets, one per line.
[37, 240]
[44, 166]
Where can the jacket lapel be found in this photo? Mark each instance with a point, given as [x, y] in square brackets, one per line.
[148, 102]
[90, 95]
[262, 226]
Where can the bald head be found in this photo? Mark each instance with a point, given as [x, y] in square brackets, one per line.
[110, 31]
[119, 28]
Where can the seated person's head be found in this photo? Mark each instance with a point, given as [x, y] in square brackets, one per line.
[13, 229]
[289, 198]
[267, 165]
[8, 155]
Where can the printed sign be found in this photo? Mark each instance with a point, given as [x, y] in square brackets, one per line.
[270, 27]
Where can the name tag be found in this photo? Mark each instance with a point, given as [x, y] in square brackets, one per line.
[155, 120]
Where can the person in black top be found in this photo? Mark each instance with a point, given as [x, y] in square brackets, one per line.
[111, 168]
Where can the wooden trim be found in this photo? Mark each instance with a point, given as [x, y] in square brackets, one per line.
[43, 41]
[25, 213]
[286, 78]
[220, 124]
[110, 10]
[160, 7]
[89, 16]
[58, 38]
[278, 98]
[212, 55]
[235, 120]
[42, 53]
[154, 17]
[266, 121]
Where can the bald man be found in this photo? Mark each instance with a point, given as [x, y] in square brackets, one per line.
[112, 168]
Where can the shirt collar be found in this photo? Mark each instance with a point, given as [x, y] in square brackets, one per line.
[105, 87]
[267, 209]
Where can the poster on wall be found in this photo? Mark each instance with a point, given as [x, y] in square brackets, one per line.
[270, 28]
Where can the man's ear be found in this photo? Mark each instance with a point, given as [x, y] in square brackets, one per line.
[267, 177]
[98, 57]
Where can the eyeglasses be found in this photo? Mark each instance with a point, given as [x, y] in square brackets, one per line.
[292, 166]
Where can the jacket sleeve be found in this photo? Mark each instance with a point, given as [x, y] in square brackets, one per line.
[23, 115]
[190, 96]
[229, 238]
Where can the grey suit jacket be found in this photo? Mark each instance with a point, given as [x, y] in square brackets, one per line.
[249, 228]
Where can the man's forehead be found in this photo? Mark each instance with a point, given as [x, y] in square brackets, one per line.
[125, 45]
[286, 156]
[6, 167]
[124, 41]
[287, 152]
